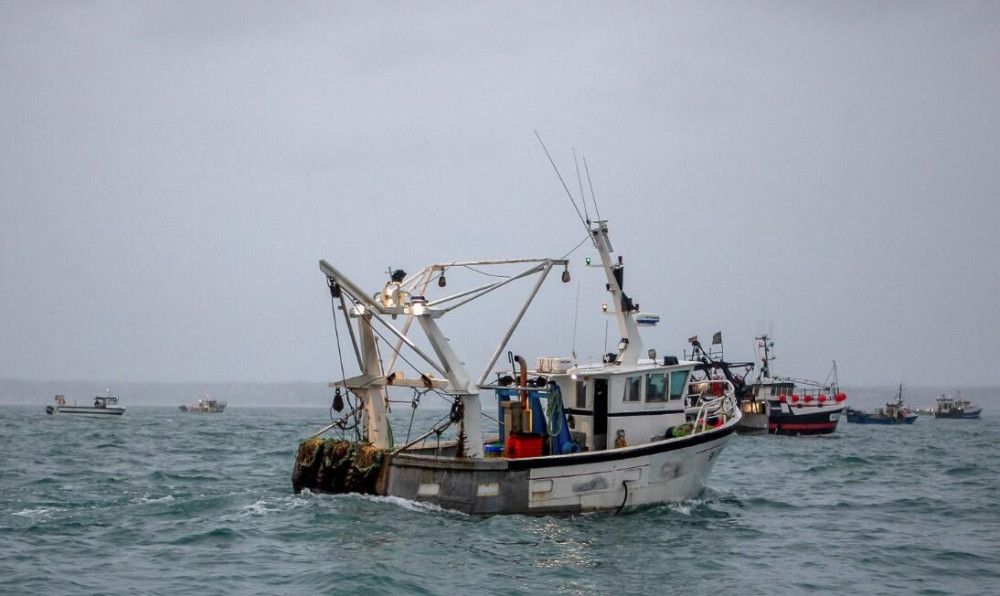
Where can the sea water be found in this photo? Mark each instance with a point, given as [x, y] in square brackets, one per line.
[161, 502]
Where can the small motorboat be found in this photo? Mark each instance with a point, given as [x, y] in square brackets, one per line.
[104, 406]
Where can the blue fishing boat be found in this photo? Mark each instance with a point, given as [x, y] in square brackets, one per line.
[893, 413]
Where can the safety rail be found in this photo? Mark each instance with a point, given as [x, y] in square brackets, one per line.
[723, 404]
[801, 391]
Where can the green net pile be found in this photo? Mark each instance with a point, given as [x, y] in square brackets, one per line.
[336, 466]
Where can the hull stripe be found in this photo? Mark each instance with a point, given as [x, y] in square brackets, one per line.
[588, 457]
[803, 426]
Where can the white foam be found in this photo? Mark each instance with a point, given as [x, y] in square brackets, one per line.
[407, 504]
[32, 512]
[684, 507]
[145, 500]
[258, 508]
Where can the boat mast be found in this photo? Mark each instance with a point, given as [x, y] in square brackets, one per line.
[630, 345]
[765, 361]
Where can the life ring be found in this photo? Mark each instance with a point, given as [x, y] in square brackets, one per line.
[61, 400]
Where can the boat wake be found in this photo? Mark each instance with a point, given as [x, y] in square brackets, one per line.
[402, 503]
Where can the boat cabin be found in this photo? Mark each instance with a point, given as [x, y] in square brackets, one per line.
[104, 401]
[773, 391]
[606, 405]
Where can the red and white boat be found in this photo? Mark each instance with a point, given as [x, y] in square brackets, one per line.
[787, 406]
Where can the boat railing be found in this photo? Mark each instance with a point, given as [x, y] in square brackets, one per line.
[718, 400]
[703, 389]
[829, 392]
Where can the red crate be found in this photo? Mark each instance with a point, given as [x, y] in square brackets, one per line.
[522, 445]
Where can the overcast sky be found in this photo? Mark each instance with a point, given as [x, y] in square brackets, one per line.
[172, 172]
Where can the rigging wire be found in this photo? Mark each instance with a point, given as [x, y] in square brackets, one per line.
[336, 331]
[407, 361]
[414, 403]
[343, 373]
[470, 268]
[490, 418]
[573, 250]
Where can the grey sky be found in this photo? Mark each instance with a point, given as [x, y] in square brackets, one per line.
[172, 172]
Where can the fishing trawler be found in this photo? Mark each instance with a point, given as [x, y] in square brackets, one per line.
[956, 407]
[630, 430]
[892, 413]
[205, 405]
[792, 406]
[104, 406]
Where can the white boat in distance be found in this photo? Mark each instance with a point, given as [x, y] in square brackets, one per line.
[104, 406]
[204, 405]
[623, 437]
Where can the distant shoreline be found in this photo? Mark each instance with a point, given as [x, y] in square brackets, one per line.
[303, 394]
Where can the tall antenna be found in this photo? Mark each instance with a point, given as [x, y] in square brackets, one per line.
[605, 339]
[566, 188]
[592, 196]
[576, 316]
[583, 197]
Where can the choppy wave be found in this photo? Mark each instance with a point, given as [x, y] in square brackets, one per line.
[183, 507]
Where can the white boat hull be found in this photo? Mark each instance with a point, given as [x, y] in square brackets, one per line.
[664, 477]
[86, 411]
[665, 471]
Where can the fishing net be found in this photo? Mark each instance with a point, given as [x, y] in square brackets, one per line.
[336, 466]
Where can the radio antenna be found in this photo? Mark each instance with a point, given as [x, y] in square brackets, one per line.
[592, 196]
[576, 316]
[583, 196]
[566, 188]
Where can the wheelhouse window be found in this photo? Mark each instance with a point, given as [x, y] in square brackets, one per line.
[632, 385]
[678, 384]
[581, 394]
[656, 387]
